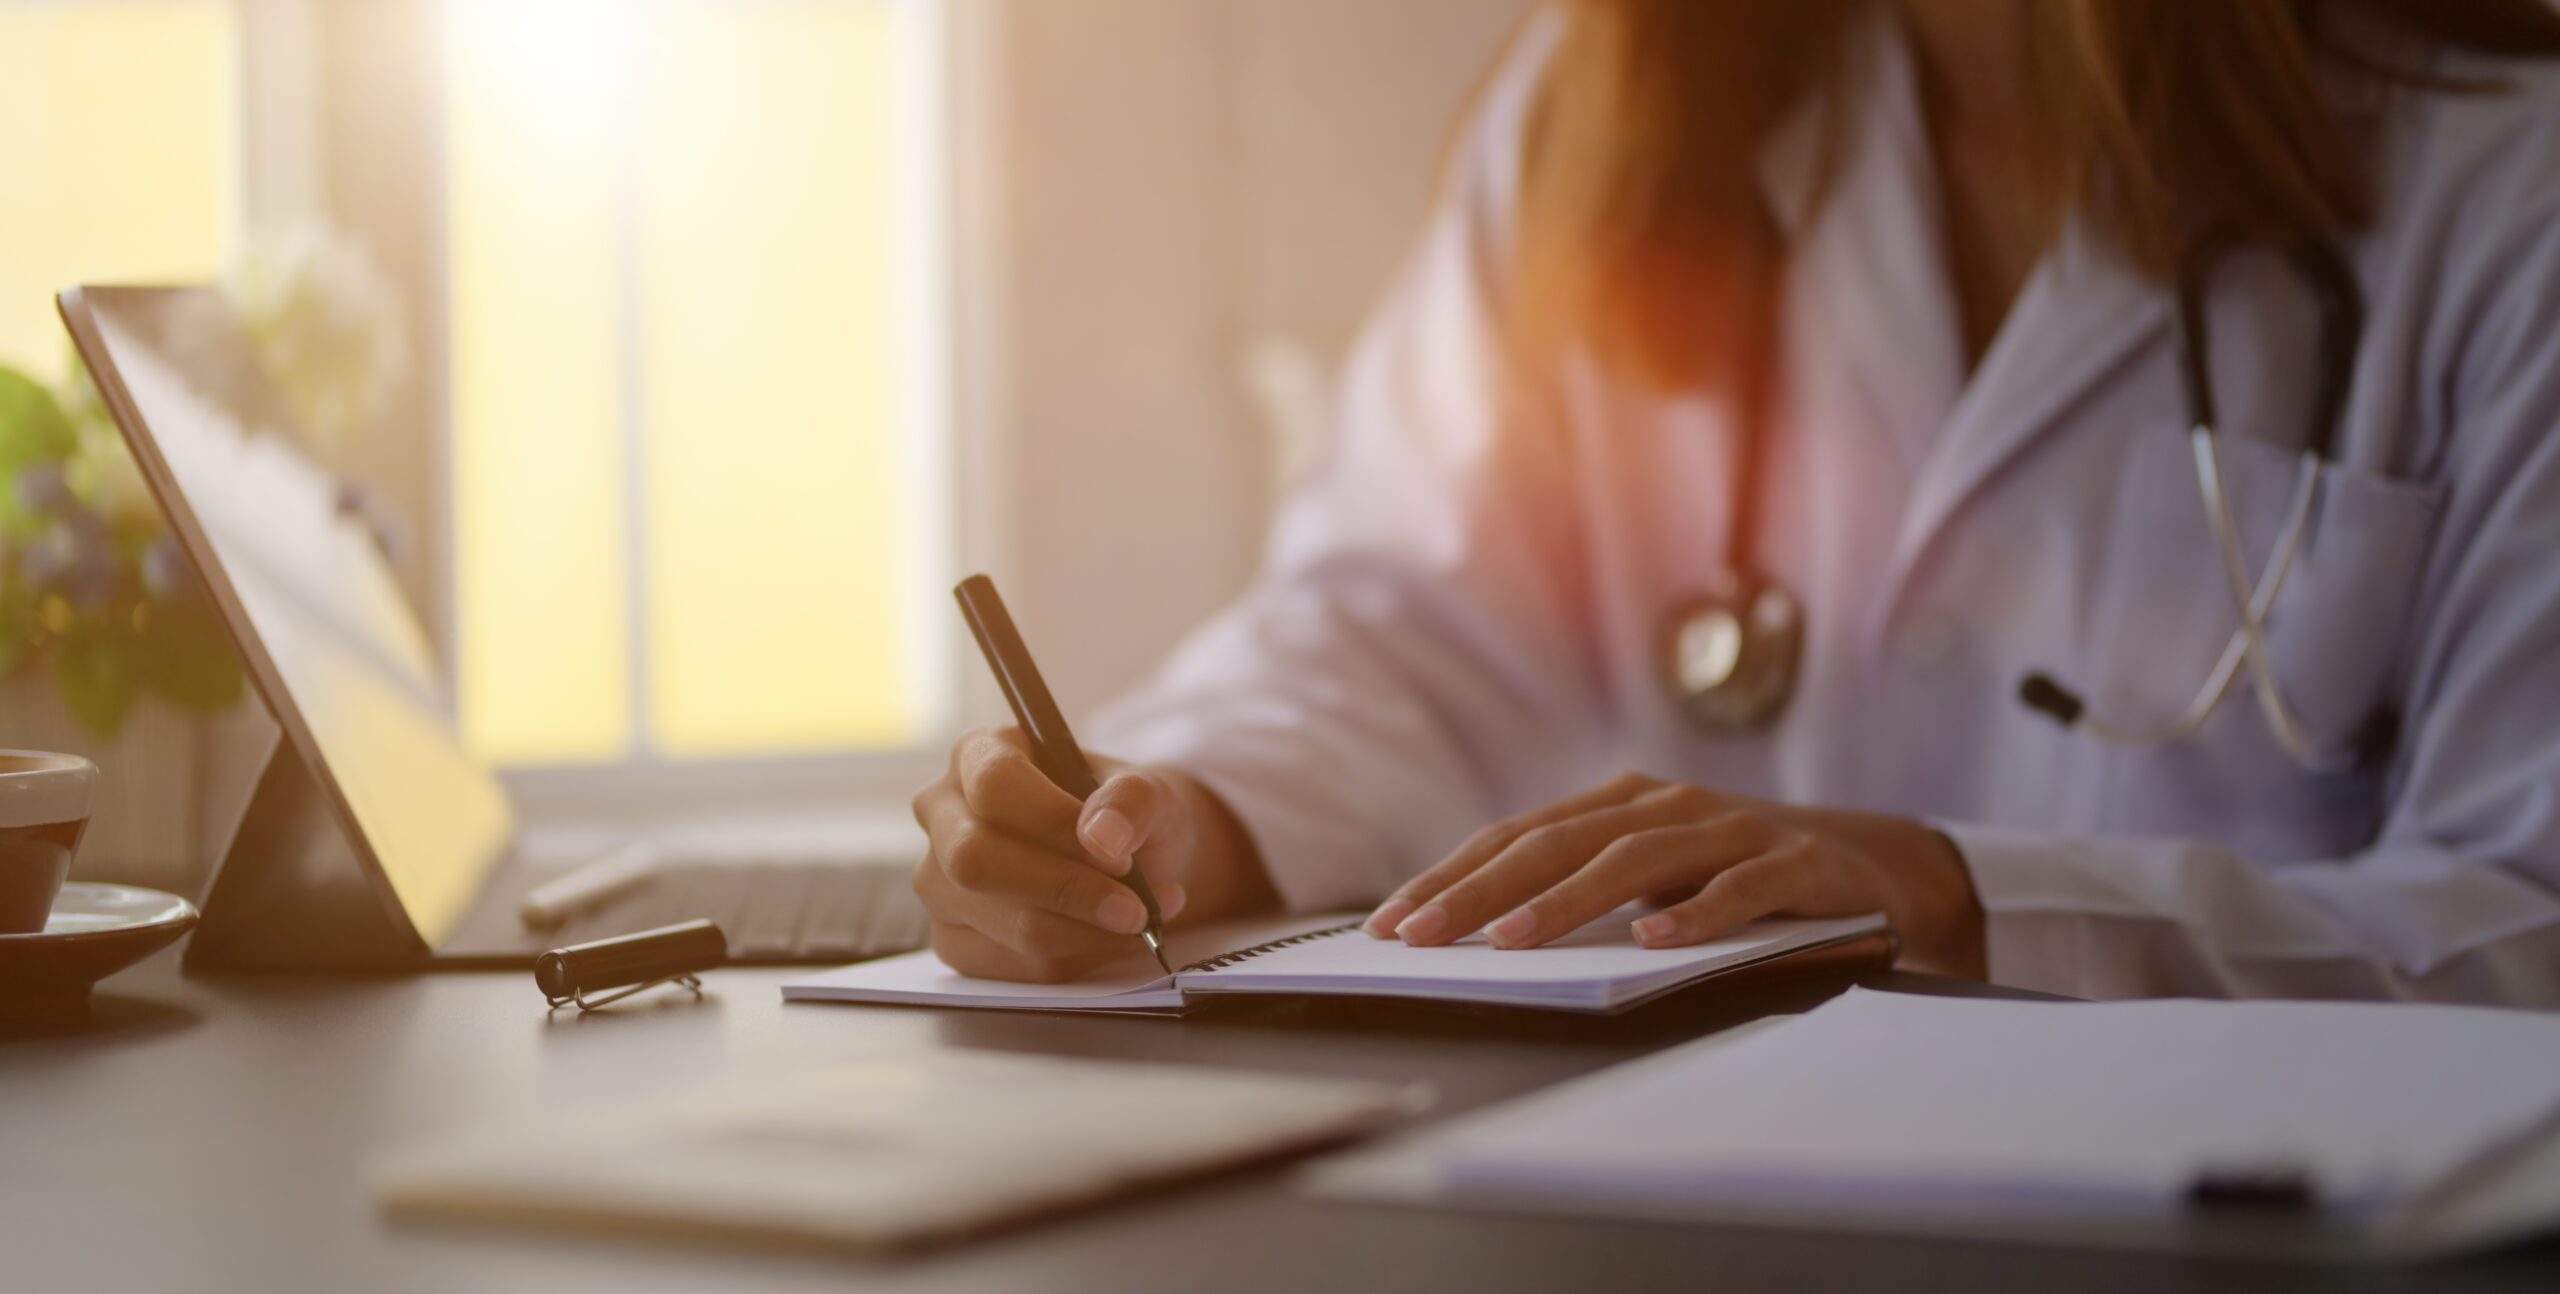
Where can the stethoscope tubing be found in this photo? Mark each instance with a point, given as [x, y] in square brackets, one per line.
[2332, 284]
[2253, 614]
[2333, 287]
[2248, 643]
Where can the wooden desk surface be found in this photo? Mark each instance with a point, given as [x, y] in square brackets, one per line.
[212, 1134]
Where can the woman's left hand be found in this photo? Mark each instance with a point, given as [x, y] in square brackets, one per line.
[1713, 861]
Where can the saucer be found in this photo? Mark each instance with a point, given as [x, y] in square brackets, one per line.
[95, 931]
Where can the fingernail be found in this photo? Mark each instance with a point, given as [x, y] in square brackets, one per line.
[1653, 929]
[1513, 930]
[1109, 833]
[1382, 923]
[1422, 926]
[1122, 913]
[1171, 899]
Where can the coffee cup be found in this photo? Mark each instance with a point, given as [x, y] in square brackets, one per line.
[44, 806]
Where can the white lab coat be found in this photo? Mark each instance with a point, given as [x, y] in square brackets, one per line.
[1458, 617]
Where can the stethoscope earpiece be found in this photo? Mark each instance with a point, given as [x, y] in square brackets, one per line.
[2038, 692]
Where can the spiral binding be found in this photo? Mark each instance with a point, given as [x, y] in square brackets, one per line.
[1224, 960]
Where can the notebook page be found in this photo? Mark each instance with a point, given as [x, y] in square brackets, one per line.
[920, 979]
[2040, 1106]
[1134, 983]
[1595, 967]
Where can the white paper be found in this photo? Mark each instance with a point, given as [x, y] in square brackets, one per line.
[1133, 984]
[2040, 1106]
[1598, 967]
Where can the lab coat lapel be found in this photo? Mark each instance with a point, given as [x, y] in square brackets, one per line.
[1872, 262]
[2082, 316]
[1868, 260]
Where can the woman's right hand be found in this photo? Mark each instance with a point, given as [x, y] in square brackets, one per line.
[1022, 882]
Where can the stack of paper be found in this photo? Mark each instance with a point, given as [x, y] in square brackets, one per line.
[2129, 1121]
[880, 1155]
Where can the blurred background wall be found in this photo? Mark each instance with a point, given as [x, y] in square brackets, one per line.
[1162, 222]
[1170, 218]
[1206, 196]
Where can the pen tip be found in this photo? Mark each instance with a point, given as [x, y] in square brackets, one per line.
[1156, 945]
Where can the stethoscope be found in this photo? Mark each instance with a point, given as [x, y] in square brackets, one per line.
[1729, 652]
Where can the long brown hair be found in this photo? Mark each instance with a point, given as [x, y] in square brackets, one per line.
[1644, 237]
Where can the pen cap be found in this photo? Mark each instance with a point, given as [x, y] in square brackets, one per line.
[638, 958]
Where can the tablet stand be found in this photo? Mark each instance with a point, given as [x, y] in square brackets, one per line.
[290, 893]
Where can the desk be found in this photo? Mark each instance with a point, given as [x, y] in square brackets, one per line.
[212, 1134]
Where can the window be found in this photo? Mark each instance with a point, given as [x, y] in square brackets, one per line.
[698, 455]
[121, 122]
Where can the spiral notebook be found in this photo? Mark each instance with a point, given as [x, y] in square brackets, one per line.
[1597, 969]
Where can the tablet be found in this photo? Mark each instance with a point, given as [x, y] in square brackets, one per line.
[374, 837]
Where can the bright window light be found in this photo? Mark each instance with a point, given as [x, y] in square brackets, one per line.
[121, 122]
[696, 461]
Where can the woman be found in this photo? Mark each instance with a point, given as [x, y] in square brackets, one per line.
[1897, 276]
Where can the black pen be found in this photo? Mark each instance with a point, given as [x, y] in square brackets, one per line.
[1053, 748]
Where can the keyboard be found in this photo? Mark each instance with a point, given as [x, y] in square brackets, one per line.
[772, 912]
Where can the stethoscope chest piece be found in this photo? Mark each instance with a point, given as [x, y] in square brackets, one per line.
[1728, 653]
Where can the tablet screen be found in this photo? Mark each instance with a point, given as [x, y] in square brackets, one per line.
[319, 618]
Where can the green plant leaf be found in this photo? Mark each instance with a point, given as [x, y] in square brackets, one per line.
[17, 624]
[78, 393]
[33, 426]
[96, 681]
[33, 429]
